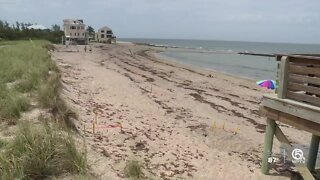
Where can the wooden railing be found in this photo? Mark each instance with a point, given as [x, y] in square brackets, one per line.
[299, 78]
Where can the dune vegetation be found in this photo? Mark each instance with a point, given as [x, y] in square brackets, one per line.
[44, 147]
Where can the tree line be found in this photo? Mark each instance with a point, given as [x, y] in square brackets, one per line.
[19, 31]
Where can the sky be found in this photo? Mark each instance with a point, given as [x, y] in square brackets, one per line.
[296, 21]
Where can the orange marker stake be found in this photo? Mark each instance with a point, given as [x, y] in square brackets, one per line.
[94, 122]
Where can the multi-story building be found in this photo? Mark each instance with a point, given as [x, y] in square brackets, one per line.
[105, 35]
[75, 31]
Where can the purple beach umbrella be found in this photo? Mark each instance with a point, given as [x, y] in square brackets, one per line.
[270, 84]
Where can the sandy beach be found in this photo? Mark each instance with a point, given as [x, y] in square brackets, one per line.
[178, 121]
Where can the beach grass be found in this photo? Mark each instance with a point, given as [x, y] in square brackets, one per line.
[29, 79]
[38, 152]
[24, 65]
[26, 73]
[3, 143]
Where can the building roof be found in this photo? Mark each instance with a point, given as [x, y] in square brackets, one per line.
[73, 21]
[37, 26]
[106, 27]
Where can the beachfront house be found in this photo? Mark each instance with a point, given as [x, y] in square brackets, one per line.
[75, 31]
[105, 35]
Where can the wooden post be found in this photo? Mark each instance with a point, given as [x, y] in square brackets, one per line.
[313, 151]
[268, 143]
[283, 77]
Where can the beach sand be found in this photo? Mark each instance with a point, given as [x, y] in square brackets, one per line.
[178, 121]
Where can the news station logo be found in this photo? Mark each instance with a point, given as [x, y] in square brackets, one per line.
[296, 154]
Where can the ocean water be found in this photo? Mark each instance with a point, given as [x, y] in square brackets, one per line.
[222, 55]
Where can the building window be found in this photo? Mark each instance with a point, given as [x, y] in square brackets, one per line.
[109, 36]
[102, 36]
[75, 34]
[78, 34]
[109, 32]
[73, 27]
[82, 34]
[102, 31]
[78, 27]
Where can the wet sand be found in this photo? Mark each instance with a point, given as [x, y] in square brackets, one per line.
[179, 121]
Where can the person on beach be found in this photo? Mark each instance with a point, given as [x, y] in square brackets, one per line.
[85, 48]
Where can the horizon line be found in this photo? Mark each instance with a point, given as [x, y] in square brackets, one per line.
[271, 42]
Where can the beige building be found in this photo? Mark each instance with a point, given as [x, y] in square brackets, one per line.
[75, 31]
[105, 35]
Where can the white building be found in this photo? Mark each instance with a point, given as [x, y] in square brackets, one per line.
[105, 35]
[75, 31]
